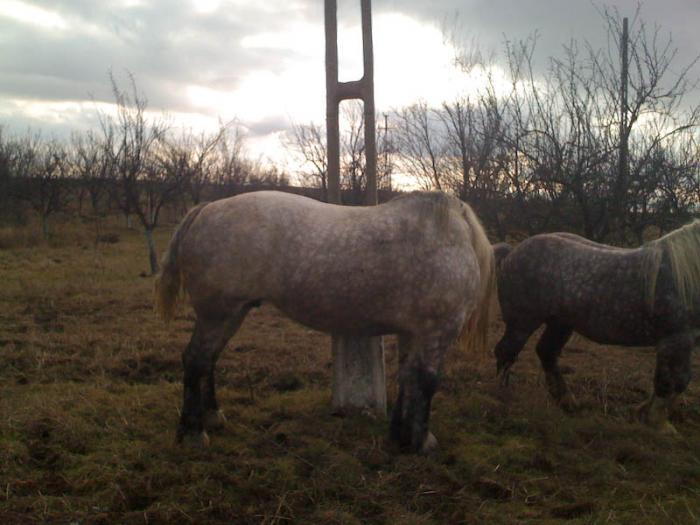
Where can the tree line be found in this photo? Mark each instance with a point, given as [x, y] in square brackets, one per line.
[135, 163]
[531, 150]
[540, 150]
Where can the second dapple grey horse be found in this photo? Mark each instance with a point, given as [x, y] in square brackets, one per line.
[632, 297]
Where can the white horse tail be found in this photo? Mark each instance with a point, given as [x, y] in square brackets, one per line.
[474, 336]
[169, 280]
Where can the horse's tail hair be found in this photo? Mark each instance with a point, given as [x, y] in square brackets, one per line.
[500, 252]
[169, 280]
[474, 336]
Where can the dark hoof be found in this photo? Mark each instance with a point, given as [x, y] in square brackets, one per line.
[430, 444]
[667, 429]
[568, 403]
[214, 420]
[653, 414]
[503, 374]
[641, 411]
[194, 441]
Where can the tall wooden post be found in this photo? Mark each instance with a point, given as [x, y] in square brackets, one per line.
[358, 362]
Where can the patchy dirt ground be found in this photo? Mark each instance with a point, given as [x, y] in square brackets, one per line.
[90, 392]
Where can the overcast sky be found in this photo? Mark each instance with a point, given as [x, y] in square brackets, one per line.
[262, 61]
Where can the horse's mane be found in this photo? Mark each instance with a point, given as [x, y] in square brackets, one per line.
[430, 205]
[683, 249]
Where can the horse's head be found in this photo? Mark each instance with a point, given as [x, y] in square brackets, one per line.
[500, 252]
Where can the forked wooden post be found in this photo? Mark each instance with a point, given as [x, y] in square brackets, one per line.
[358, 362]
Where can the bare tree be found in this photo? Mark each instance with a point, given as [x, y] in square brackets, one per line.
[93, 165]
[309, 142]
[231, 168]
[41, 166]
[10, 201]
[421, 146]
[145, 186]
[564, 125]
[192, 159]
[352, 151]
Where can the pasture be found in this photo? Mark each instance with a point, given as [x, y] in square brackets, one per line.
[90, 388]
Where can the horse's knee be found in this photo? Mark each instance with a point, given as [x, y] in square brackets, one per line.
[194, 371]
[550, 345]
[507, 349]
[427, 381]
[669, 381]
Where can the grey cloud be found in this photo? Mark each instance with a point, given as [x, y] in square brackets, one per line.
[167, 45]
[489, 22]
[164, 44]
[267, 126]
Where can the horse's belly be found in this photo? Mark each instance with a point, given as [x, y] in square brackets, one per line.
[625, 331]
[328, 321]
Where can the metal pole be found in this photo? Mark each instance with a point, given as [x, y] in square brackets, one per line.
[368, 98]
[387, 171]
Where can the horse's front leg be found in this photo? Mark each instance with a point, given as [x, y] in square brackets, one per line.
[549, 349]
[673, 373]
[419, 371]
[508, 348]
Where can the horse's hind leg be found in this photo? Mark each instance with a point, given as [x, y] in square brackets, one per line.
[509, 347]
[419, 369]
[548, 350]
[213, 418]
[209, 338]
[673, 373]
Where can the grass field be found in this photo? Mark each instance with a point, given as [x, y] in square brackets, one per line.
[90, 388]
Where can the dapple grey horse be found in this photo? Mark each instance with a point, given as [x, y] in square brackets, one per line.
[633, 297]
[419, 266]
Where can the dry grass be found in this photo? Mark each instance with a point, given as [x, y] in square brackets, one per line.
[91, 391]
